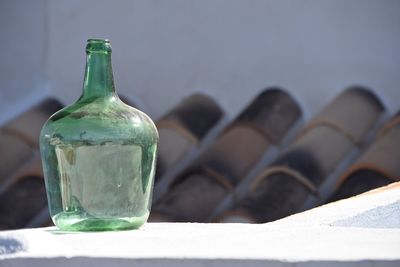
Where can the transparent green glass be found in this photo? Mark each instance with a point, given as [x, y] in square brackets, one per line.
[98, 155]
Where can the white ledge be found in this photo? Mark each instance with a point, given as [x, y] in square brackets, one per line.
[361, 231]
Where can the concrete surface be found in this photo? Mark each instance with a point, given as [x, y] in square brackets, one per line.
[325, 236]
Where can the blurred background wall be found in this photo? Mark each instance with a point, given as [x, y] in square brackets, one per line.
[165, 50]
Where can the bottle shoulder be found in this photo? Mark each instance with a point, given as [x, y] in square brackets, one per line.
[107, 118]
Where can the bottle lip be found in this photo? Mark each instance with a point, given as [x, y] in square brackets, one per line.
[98, 45]
[98, 40]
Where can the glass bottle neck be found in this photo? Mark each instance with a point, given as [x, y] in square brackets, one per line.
[99, 81]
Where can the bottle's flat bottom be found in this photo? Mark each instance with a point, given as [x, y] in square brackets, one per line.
[73, 222]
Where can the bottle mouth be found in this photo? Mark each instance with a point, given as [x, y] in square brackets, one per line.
[97, 45]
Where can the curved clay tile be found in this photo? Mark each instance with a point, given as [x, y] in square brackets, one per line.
[264, 122]
[283, 188]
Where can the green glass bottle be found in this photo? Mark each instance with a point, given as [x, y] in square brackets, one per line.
[98, 155]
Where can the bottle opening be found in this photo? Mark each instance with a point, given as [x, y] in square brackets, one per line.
[98, 40]
[98, 45]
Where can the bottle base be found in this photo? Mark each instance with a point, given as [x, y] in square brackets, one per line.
[73, 222]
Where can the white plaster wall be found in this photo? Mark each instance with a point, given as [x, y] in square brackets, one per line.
[164, 50]
[23, 53]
